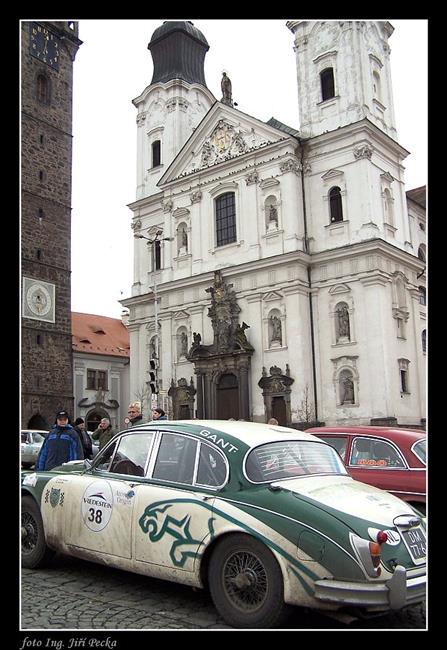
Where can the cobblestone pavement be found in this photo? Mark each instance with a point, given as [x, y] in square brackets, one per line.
[75, 594]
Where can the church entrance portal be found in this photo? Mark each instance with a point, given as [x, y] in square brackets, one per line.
[279, 410]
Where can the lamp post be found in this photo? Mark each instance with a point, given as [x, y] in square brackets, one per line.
[152, 242]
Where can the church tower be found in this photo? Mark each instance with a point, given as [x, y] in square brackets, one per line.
[343, 70]
[48, 53]
[175, 101]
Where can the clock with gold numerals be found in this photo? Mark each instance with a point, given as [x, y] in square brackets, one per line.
[44, 45]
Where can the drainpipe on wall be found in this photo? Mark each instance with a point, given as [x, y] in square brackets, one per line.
[309, 279]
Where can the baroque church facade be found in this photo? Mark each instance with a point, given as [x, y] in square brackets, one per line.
[278, 272]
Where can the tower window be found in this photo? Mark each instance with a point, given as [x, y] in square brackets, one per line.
[43, 89]
[422, 296]
[225, 219]
[327, 84]
[38, 253]
[40, 212]
[156, 153]
[157, 255]
[424, 340]
[335, 204]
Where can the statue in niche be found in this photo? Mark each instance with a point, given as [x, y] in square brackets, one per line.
[183, 239]
[343, 322]
[276, 330]
[273, 215]
[239, 335]
[183, 344]
[153, 349]
[348, 391]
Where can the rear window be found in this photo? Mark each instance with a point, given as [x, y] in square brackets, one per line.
[290, 459]
[420, 450]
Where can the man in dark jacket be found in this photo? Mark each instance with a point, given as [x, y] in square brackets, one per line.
[158, 414]
[61, 445]
[134, 414]
[86, 441]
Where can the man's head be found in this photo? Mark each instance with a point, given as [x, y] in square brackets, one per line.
[105, 423]
[157, 413]
[80, 423]
[62, 418]
[134, 410]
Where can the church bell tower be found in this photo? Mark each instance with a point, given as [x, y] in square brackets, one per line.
[343, 70]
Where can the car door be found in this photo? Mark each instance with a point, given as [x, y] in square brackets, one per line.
[173, 518]
[101, 502]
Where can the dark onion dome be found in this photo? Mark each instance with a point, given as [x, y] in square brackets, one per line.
[178, 51]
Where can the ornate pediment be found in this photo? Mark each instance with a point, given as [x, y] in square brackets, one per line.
[331, 174]
[339, 288]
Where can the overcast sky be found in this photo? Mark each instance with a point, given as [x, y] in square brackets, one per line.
[113, 66]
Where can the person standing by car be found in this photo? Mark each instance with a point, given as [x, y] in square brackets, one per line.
[134, 413]
[61, 445]
[79, 426]
[158, 414]
[103, 433]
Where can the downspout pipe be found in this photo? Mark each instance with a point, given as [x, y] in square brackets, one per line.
[309, 279]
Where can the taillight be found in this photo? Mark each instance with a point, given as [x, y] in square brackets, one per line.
[375, 551]
[382, 537]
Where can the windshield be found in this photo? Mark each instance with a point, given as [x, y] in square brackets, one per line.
[290, 459]
[420, 449]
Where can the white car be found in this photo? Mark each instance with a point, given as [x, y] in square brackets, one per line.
[30, 443]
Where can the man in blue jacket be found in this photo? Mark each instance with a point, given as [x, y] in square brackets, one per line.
[61, 444]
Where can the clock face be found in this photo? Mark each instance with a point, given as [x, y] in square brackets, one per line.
[44, 45]
[38, 300]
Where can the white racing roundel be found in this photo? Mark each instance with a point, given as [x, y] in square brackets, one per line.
[97, 505]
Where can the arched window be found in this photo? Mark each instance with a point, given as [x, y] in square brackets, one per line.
[422, 296]
[225, 219]
[424, 340]
[156, 153]
[389, 209]
[377, 86]
[421, 253]
[43, 89]
[327, 84]
[156, 262]
[335, 205]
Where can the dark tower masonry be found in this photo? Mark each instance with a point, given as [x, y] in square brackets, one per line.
[48, 53]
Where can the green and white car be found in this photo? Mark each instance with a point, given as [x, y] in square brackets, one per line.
[264, 517]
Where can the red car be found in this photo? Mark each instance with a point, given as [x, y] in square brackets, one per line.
[392, 459]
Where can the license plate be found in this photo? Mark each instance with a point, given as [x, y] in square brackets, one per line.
[416, 543]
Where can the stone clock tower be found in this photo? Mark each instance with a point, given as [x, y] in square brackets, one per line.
[48, 53]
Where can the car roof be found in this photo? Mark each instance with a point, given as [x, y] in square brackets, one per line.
[250, 433]
[380, 432]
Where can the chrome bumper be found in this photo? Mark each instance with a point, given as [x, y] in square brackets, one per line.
[395, 593]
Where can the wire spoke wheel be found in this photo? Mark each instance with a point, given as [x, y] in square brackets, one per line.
[245, 581]
[29, 533]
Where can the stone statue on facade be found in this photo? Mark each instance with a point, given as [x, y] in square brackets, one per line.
[225, 85]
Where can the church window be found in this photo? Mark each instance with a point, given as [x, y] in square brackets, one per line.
[156, 153]
[96, 379]
[422, 296]
[225, 219]
[421, 253]
[335, 204]
[424, 341]
[403, 374]
[157, 255]
[327, 84]
[377, 85]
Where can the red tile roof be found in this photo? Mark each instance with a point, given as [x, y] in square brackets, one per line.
[99, 335]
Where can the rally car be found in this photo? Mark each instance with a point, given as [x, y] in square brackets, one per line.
[265, 517]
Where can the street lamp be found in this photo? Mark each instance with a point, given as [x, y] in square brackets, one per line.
[151, 242]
